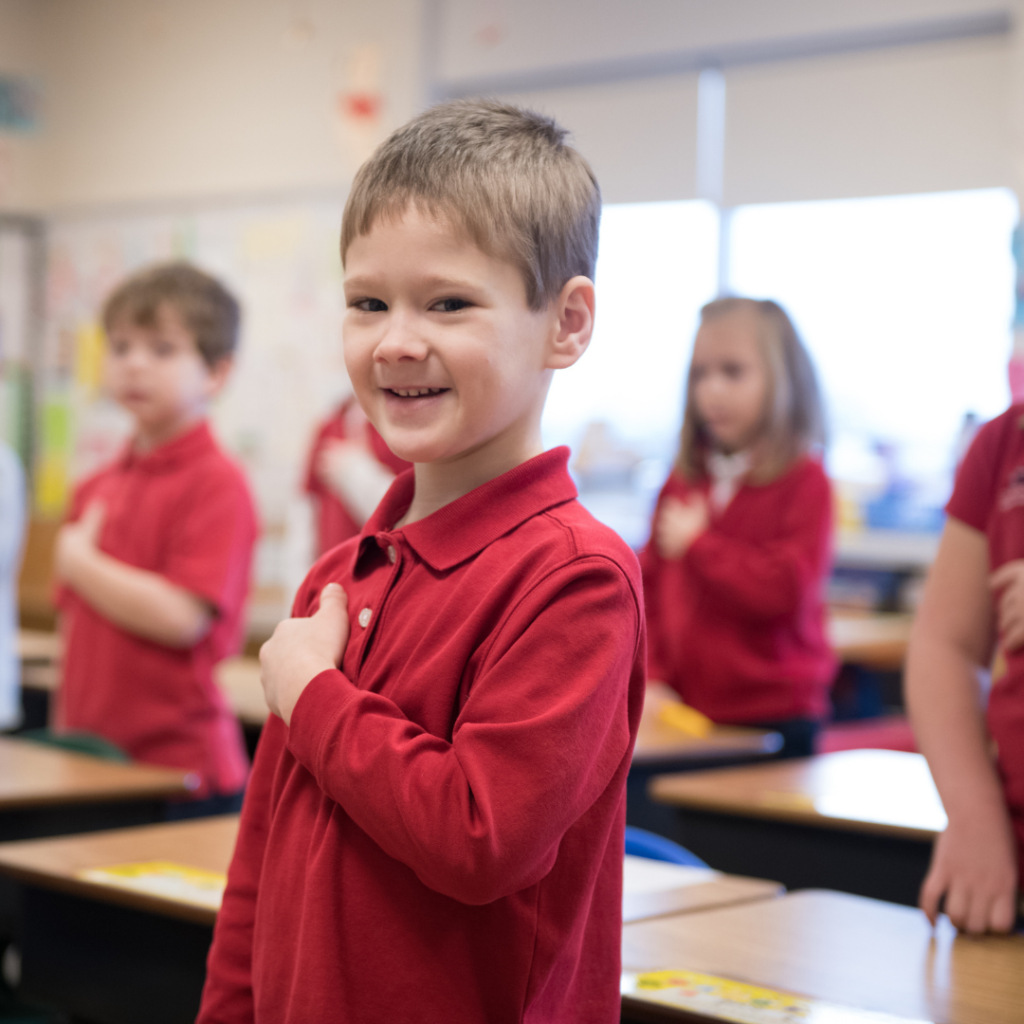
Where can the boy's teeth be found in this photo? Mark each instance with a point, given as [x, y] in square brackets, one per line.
[416, 392]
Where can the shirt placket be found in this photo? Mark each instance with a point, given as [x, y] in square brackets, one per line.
[372, 603]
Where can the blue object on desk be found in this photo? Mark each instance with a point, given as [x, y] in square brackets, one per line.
[641, 843]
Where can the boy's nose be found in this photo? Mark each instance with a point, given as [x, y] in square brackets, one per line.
[401, 340]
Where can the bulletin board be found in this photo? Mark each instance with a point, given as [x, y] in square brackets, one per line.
[281, 260]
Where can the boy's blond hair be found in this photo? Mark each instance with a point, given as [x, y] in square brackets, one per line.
[502, 174]
[208, 310]
[793, 422]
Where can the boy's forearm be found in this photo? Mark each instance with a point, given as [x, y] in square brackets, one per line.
[139, 601]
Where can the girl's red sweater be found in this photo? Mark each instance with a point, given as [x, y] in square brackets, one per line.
[737, 624]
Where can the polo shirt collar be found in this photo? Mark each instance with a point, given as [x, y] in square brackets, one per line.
[467, 525]
[171, 454]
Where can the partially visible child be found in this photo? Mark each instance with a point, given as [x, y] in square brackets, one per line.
[434, 828]
[154, 559]
[12, 525]
[350, 469]
[971, 621]
[734, 573]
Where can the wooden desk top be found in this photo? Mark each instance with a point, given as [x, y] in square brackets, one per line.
[653, 889]
[33, 775]
[206, 843]
[650, 889]
[845, 950]
[36, 646]
[875, 639]
[239, 679]
[658, 741]
[886, 792]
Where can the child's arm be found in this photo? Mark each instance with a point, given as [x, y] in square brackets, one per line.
[974, 862]
[544, 729]
[763, 581]
[139, 601]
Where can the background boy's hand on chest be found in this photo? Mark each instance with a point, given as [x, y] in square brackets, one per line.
[301, 649]
[1007, 584]
[77, 540]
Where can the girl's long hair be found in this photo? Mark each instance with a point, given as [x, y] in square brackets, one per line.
[793, 423]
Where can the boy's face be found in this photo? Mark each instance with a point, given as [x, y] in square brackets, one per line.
[157, 374]
[445, 355]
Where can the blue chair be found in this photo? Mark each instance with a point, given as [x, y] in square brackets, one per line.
[641, 843]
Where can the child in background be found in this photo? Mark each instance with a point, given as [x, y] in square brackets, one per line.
[154, 559]
[971, 619]
[12, 525]
[434, 827]
[350, 469]
[735, 570]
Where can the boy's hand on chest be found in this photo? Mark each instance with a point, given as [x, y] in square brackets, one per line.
[301, 649]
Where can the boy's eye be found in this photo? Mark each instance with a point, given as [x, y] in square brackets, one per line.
[449, 305]
[370, 305]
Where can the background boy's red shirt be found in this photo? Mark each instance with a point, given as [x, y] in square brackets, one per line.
[439, 834]
[737, 625]
[989, 495]
[333, 521]
[183, 511]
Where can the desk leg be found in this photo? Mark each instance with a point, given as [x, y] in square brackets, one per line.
[803, 857]
[110, 964]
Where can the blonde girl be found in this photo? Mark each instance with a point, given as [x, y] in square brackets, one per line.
[740, 544]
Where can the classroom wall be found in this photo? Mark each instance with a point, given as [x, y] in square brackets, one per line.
[185, 99]
[20, 56]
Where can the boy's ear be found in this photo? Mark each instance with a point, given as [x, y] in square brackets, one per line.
[575, 311]
[217, 375]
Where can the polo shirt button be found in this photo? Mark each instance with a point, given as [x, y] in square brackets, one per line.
[364, 617]
[392, 554]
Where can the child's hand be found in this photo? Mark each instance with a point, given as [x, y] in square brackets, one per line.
[975, 868]
[333, 460]
[301, 649]
[77, 540]
[679, 524]
[1007, 584]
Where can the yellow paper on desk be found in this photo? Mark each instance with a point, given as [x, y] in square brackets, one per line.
[686, 719]
[737, 1002]
[164, 879]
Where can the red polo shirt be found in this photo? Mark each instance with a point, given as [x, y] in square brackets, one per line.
[989, 495]
[439, 835]
[334, 524]
[737, 625]
[183, 511]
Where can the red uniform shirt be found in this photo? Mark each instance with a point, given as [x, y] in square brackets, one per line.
[439, 834]
[334, 523]
[737, 625]
[989, 495]
[183, 511]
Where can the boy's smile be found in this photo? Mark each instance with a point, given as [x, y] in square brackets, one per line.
[444, 353]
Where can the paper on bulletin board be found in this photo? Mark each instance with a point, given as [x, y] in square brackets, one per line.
[164, 879]
[739, 1003]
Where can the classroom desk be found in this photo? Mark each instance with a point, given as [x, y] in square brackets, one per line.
[876, 640]
[116, 957]
[662, 748]
[861, 821]
[46, 791]
[108, 955]
[38, 647]
[841, 949]
[653, 888]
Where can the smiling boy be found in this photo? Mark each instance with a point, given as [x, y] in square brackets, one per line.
[434, 827]
[154, 559]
